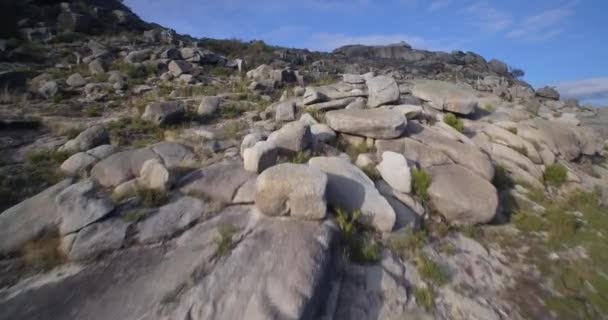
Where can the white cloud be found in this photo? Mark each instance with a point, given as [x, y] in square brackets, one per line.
[594, 89]
[488, 17]
[324, 41]
[542, 26]
[439, 4]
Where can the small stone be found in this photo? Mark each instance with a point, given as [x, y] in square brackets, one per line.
[260, 157]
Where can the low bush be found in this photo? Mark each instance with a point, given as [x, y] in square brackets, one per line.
[425, 298]
[151, 198]
[421, 181]
[555, 175]
[453, 121]
[224, 239]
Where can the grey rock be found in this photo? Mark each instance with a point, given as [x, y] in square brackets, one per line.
[548, 92]
[313, 95]
[350, 189]
[208, 106]
[154, 175]
[292, 189]
[246, 193]
[80, 205]
[98, 238]
[358, 104]
[446, 96]
[89, 138]
[138, 56]
[48, 89]
[260, 157]
[30, 218]
[322, 133]
[498, 67]
[371, 123]
[172, 54]
[174, 155]
[353, 78]
[250, 140]
[425, 156]
[219, 181]
[461, 196]
[395, 171]
[382, 90]
[163, 112]
[76, 80]
[285, 111]
[170, 219]
[102, 151]
[332, 105]
[78, 163]
[121, 167]
[96, 66]
[293, 137]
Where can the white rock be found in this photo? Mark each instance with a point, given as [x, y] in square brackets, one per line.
[395, 171]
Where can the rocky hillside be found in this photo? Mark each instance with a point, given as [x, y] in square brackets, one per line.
[151, 175]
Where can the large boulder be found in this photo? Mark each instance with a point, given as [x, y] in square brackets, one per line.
[179, 67]
[154, 175]
[170, 219]
[174, 155]
[372, 123]
[163, 112]
[80, 205]
[348, 188]
[209, 106]
[548, 93]
[498, 66]
[77, 163]
[30, 218]
[76, 80]
[292, 189]
[446, 96]
[293, 137]
[414, 151]
[89, 138]
[395, 171]
[461, 196]
[121, 167]
[382, 90]
[99, 238]
[218, 182]
[467, 155]
[260, 157]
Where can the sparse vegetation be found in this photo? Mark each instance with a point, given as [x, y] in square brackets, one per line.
[43, 253]
[430, 271]
[232, 129]
[425, 297]
[150, 198]
[371, 171]
[300, 157]
[224, 239]
[347, 222]
[364, 249]
[134, 215]
[502, 180]
[488, 107]
[521, 149]
[134, 131]
[454, 122]
[421, 181]
[513, 130]
[317, 114]
[555, 175]
[408, 243]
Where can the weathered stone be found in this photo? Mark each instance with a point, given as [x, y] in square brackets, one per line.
[372, 123]
[353, 78]
[548, 92]
[98, 238]
[48, 89]
[498, 67]
[163, 112]
[285, 111]
[208, 106]
[461, 196]
[332, 105]
[154, 175]
[171, 54]
[174, 155]
[89, 138]
[422, 154]
[382, 90]
[260, 157]
[218, 181]
[249, 141]
[292, 189]
[350, 189]
[293, 137]
[75, 80]
[446, 96]
[395, 171]
[502, 152]
[96, 67]
[30, 218]
[80, 205]
[407, 110]
[322, 132]
[170, 219]
[138, 56]
[78, 163]
[121, 167]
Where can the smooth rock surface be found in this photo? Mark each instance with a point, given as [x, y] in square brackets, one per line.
[395, 171]
[98, 238]
[371, 123]
[170, 219]
[382, 90]
[80, 205]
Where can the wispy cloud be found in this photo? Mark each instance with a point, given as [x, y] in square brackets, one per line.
[489, 17]
[324, 41]
[542, 26]
[594, 89]
[439, 4]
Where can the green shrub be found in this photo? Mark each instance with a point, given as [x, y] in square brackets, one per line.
[300, 157]
[562, 226]
[555, 174]
[68, 37]
[151, 198]
[347, 223]
[371, 171]
[232, 130]
[528, 222]
[224, 240]
[453, 121]
[421, 181]
[410, 242]
[363, 250]
[430, 271]
[425, 298]
[134, 215]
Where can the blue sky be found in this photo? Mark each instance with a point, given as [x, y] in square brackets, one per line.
[562, 43]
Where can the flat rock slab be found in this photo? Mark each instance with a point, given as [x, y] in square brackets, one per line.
[30, 218]
[219, 181]
[121, 167]
[371, 123]
[446, 96]
[98, 238]
[80, 205]
[170, 219]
